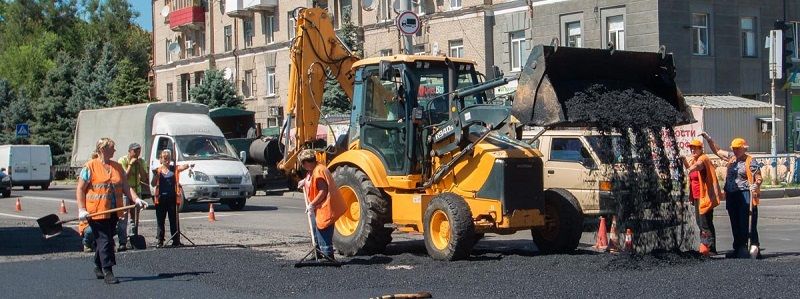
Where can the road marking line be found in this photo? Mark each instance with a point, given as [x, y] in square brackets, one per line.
[194, 217]
[17, 216]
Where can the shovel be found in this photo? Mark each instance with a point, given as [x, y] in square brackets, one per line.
[137, 240]
[51, 225]
[314, 257]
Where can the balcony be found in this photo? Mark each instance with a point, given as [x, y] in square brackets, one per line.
[190, 17]
[245, 8]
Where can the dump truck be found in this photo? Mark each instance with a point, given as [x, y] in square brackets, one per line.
[424, 153]
[218, 174]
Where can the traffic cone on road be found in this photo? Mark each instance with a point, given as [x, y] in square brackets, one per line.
[602, 236]
[63, 208]
[19, 206]
[629, 240]
[211, 216]
[613, 242]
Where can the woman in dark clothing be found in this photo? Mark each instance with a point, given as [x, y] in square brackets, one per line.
[165, 180]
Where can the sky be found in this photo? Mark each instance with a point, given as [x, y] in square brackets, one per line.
[145, 18]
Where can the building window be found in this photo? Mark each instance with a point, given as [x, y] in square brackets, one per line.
[189, 45]
[247, 84]
[419, 49]
[271, 81]
[268, 27]
[699, 34]
[292, 26]
[455, 4]
[385, 10]
[248, 32]
[748, 26]
[275, 116]
[386, 52]
[456, 48]
[340, 9]
[421, 7]
[518, 45]
[167, 53]
[573, 32]
[228, 38]
[169, 93]
[198, 77]
[795, 45]
[615, 27]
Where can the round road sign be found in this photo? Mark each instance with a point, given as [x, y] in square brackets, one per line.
[408, 23]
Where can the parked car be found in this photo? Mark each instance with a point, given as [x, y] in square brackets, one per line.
[28, 165]
[5, 183]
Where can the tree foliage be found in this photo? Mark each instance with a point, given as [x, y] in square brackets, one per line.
[215, 91]
[128, 87]
[54, 122]
[334, 100]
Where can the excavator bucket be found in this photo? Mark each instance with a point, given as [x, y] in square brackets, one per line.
[553, 75]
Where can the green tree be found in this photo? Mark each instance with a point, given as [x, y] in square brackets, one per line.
[215, 91]
[334, 100]
[52, 121]
[92, 84]
[16, 111]
[128, 88]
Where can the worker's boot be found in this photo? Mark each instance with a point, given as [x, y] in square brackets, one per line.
[99, 273]
[122, 247]
[160, 244]
[109, 276]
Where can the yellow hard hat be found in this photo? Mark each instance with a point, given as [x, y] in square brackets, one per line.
[739, 143]
[696, 142]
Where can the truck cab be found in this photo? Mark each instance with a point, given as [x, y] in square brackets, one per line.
[572, 162]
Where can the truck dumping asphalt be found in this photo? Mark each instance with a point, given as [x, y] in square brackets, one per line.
[648, 178]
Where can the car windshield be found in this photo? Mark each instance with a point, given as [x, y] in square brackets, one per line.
[608, 148]
[205, 148]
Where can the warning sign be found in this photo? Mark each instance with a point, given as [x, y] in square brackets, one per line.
[23, 131]
[408, 23]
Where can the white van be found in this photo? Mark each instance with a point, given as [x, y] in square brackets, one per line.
[28, 165]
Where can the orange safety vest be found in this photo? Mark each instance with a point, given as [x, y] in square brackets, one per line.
[178, 189]
[104, 185]
[751, 179]
[333, 206]
[709, 186]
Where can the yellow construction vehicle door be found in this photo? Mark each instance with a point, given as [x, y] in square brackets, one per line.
[383, 121]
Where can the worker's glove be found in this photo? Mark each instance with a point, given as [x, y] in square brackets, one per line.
[301, 184]
[141, 203]
[83, 214]
[309, 208]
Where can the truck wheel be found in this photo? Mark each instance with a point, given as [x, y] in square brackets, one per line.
[237, 204]
[361, 229]
[45, 186]
[7, 194]
[449, 230]
[563, 223]
[26, 187]
[184, 206]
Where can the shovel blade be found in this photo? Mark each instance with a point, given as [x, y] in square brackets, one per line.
[50, 225]
[138, 242]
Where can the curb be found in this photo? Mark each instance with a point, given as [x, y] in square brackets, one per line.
[780, 192]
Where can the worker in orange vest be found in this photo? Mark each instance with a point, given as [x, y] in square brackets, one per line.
[168, 196]
[324, 203]
[705, 194]
[742, 185]
[101, 185]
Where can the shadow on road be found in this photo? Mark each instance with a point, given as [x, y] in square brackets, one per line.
[17, 241]
[163, 276]
[204, 208]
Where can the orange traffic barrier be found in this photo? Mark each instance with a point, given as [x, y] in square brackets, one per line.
[613, 242]
[19, 205]
[211, 216]
[629, 240]
[63, 208]
[602, 236]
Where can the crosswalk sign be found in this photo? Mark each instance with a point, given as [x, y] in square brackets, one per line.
[23, 131]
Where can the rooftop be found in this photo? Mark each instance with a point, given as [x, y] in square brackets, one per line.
[725, 102]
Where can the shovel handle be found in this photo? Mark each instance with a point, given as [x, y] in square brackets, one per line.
[99, 213]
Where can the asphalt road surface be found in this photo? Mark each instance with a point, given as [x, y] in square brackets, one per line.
[251, 253]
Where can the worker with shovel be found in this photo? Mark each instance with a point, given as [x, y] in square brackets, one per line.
[324, 203]
[705, 194]
[136, 172]
[101, 185]
[742, 190]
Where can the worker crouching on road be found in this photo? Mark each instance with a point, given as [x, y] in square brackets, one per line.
[167, 196]
[101, 185]
[705, 194]
[323, 200]
[742, 185]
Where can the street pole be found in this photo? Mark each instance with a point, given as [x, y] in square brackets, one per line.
[774, 169]
[405, 5]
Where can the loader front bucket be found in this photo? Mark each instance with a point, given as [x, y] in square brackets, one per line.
[553, 75]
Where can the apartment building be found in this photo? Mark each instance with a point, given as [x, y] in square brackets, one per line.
[718, 45]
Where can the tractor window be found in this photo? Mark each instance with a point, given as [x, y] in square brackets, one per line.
[382, 101]
[467, 79]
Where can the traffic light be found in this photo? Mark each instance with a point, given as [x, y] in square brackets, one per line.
[788, 44]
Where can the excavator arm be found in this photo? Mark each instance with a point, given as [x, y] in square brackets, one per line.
[316, 55]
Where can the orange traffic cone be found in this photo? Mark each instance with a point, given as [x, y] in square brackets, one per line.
[211, 216]
[19, 206]
[613, 242]
[602, 236]
[63, 208]
[704, 250]
[629, 240]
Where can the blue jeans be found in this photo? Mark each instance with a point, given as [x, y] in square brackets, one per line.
[738, 206]
[323, 236]
[88, 237]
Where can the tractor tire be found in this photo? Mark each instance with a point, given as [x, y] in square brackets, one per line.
[449, 229]
[361, 230]
[563, 223]
[26, 187]
[236, 204]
